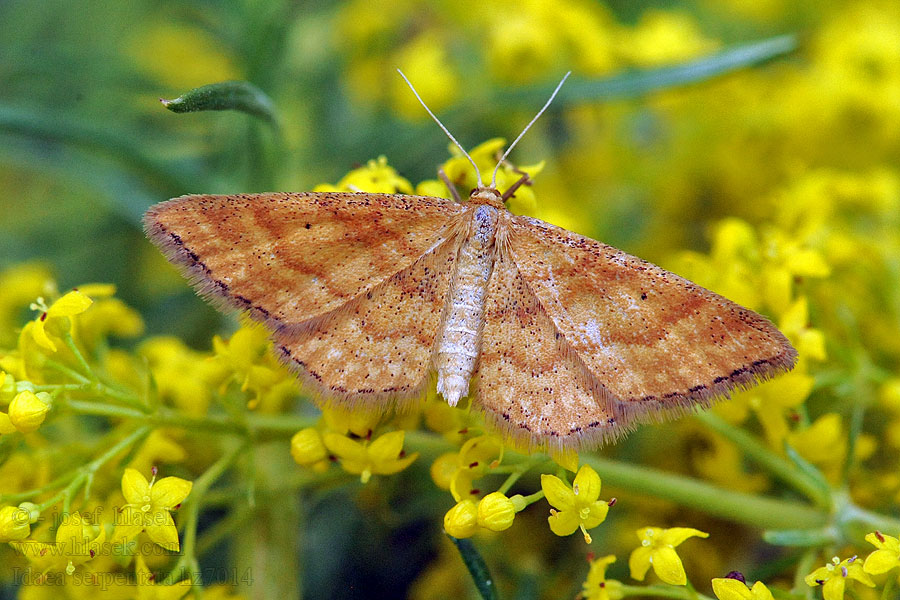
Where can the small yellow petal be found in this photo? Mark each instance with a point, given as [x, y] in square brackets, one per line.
[169, 492]
[40, 335]
[675, 535]
[70, 304]
[639, 562]
[564, 522]
[586, 485]
[135, 487]
[834, 588]
[558, 494]
[667, 566]
[344, 447]
[730, 589]
[881, 561]
[163, 531]
[387, 447]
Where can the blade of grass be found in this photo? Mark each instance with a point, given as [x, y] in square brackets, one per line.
[638, 83]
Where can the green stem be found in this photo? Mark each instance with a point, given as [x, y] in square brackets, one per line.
[780, 467]
[256, 424]
[88, 371]
[85, 474]
[188, 559]
[532, 498]
[71, 373]
[762, 512]
[518, 471]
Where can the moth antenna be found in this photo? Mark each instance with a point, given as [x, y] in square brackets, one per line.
[527, 127]
[441, 125]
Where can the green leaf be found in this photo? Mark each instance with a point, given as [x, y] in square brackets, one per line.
[477, 568]
[227, 95]
[638, 83]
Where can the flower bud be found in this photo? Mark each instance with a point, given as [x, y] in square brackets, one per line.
[14, 524]
[28, 410]
[461, 521]
[496, 512]
[307, 447]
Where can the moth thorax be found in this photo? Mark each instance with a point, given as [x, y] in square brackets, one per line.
[461, 336]
[488, 196]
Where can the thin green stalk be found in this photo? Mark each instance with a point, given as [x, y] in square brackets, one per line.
[85, 474]
[758, 511]
[518, 471]
[71, 373]
[257, 424]
[88, 371]
[778, 466]
[188, 559]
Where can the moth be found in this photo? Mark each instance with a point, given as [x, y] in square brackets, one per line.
[562, 341]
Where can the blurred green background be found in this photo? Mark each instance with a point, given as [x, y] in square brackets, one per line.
[86, 147]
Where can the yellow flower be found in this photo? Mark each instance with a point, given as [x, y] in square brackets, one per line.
[425, 61]
[360, 423]
[109, 316]
[664, 37]
[823, 443]
[596, 586]
[578, 507]
[148, 589]
[377, 177]
[886, 557]
[76, 543]
[28, 410]
[727, 588]
[15, 524]
[149, 504]
[247, 356]
[384, 456]
[182, 376]
[461, 521]
[57, 316]
[477, 457]
[833, 577]
[496, 512]
[657, 549]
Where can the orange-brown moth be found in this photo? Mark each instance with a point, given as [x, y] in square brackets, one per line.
[562, 341]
